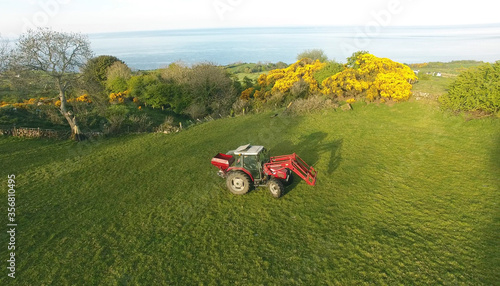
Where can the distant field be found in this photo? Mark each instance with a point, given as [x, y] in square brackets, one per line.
[435, 86]
[406, 195]
[252, 76]
[250, 70]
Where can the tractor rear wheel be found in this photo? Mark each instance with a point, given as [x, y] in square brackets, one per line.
[276, 187]
[238, 183]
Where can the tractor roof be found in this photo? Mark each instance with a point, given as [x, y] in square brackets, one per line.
[247, 150]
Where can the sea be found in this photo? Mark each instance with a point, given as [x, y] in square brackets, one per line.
[146, 50]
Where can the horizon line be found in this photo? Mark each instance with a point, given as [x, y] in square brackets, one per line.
[296, 27]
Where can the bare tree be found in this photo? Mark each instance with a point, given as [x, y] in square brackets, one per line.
[4, 54]
[60, 55]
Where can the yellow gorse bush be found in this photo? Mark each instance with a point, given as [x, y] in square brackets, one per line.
[118, 97]
[45, 101]
[82, 98]
[345, 83]
[376, 78]
[392, 85]
[421, 65]
[285, 78]
[282, 80]
[245, 95]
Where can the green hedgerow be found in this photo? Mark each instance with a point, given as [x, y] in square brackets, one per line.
[476, 89]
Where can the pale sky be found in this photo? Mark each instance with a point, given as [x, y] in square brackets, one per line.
[96, 16]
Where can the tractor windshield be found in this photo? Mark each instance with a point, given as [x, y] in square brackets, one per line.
[252, 165]
[250, 162]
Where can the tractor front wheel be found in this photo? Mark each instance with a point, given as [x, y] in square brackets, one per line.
[289, 179]
[276, 187]
[238, 183]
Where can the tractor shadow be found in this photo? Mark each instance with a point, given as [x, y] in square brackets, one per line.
[492, 252]
[311, 148]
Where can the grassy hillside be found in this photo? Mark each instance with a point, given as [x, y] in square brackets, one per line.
[405, 195]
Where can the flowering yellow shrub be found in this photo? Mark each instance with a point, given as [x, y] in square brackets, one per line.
[275, 75]
[82, 98]
[262, 80]
[245, 95]
[118, 97]
[421, 65]
[376, 78]
[393, 85]
[25, 104]
[345, 83]
[20, 105]
[46, 101]
[282, 80]
[285, 78]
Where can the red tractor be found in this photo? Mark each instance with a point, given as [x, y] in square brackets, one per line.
[250, 166]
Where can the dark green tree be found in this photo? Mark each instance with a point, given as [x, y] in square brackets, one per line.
[95, 70]
[94, 76]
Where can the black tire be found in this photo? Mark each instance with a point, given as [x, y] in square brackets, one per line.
[238, 183]
[276, 187]
[289, 181]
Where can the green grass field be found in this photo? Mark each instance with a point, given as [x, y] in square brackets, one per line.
[406, 195]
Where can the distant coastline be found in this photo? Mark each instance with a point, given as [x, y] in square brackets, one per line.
[154, 49]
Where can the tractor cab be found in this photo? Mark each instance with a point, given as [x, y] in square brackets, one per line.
[250, 158]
